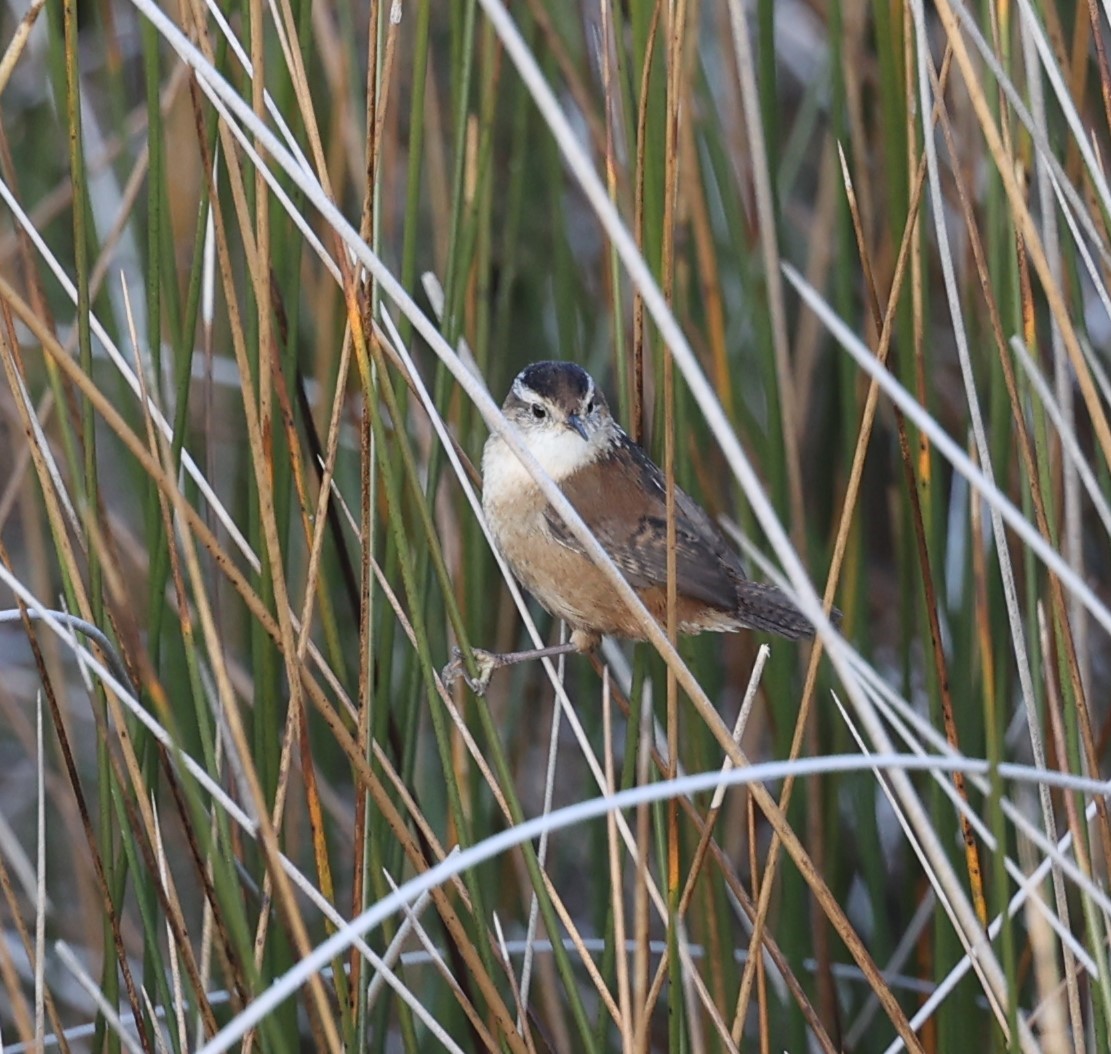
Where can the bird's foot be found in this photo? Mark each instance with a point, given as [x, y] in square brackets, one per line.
[486, 663]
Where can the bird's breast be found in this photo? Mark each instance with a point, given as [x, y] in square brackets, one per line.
[562, 579]
[513, 505]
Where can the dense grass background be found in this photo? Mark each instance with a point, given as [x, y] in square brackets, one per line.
[261, 266]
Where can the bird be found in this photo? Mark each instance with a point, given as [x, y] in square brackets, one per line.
[563, 419]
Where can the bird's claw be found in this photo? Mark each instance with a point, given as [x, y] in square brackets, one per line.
[485, 662]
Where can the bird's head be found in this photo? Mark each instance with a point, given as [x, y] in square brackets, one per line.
[562, 416]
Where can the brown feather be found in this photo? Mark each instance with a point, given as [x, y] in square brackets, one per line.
[621, 497]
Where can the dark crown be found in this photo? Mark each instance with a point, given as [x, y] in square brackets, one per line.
[561, 383]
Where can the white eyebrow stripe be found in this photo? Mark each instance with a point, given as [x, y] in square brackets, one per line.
[520, 389]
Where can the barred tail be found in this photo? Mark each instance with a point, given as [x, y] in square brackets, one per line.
[764, 607]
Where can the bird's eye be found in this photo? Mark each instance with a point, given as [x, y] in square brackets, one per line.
[539, 412]
[590, 405]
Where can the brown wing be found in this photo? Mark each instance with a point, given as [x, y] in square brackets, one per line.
[623, 501]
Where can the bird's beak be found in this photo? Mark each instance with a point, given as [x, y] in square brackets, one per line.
[575, 422]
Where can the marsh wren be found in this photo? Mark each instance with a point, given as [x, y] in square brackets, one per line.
[620, 493]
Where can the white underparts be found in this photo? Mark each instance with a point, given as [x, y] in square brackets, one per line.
[561, 451]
